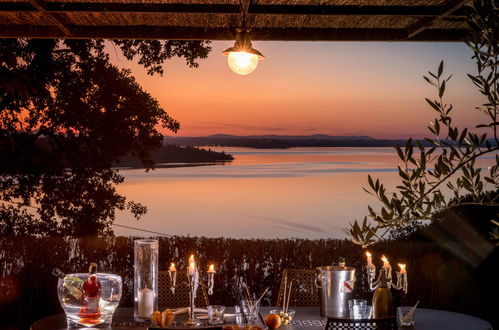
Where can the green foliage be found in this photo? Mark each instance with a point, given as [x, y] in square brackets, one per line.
[66, 116]
[449, 159]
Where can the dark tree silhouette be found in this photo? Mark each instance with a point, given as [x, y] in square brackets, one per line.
[66, 115]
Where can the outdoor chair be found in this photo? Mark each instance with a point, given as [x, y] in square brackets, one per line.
[303, 292]
[167, 299]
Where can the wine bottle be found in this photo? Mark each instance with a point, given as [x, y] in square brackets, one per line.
[91, 291]
[72, 283]
[341, 262]
[382, 299]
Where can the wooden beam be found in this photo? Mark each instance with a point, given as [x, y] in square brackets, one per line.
[56, 18]
[190, 33]
[425, 23]
[331, 10]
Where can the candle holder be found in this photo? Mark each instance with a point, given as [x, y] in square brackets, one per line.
[193, 282]
[382, 298]
[387, 274]
[145, 279]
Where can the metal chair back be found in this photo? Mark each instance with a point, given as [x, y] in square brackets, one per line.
[303, 291]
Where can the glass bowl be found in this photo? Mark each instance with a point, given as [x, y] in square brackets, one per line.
[89, 306]
[285, 317]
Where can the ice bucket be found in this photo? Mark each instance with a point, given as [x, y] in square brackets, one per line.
[335, 289]
[73, 300]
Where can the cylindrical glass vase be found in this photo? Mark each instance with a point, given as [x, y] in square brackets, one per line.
[145, 285]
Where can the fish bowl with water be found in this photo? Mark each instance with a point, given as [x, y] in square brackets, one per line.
[89, 301]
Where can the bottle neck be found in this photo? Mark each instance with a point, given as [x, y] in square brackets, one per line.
[57, 272]
[92, 269]
[382, 282]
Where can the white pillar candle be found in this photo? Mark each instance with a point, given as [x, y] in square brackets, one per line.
[192, 269]
[386, 264]
[402, 269]
[369, 260]
[145, 303]
[211, 269]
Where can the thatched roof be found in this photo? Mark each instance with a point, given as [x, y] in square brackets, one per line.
[377, 20]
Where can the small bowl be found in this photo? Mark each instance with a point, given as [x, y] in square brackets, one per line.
[285, 317]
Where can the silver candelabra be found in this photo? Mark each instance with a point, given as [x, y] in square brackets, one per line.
[385, 271]
[193, 282]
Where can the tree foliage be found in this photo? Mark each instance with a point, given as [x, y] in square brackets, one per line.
[450, 160]
[66, 115]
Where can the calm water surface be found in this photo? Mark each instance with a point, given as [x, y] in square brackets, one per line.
[270, 193]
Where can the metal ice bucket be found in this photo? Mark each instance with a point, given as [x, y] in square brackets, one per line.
[335, 286]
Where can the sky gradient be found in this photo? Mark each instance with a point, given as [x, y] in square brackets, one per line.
[302, 88]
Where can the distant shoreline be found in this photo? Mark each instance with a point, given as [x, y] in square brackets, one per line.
[170, 156]
[290, 141]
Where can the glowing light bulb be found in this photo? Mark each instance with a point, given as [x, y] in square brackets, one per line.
[242, 63]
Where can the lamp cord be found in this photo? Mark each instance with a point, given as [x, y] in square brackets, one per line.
[244, 5]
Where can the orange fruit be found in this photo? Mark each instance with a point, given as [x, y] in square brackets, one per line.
[273, 321]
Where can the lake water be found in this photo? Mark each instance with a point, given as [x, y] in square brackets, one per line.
[263, 193]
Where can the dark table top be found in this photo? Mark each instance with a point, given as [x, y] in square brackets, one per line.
[306, 318]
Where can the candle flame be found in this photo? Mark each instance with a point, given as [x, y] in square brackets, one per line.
[191, 259]
[402, 266]
[368, 254]
[383, 258]
[172, 268]
[211, 269]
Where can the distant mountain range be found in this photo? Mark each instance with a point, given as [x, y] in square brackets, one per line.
[283, 141]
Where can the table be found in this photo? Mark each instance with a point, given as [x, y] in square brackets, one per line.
[306, 318]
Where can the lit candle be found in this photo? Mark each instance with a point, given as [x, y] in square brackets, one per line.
[192, 266]
[145, 303]
[172, 271]
[402, 269]
[211, 269]
[386, 264]
[369, 260]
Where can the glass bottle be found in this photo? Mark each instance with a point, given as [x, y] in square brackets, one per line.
[72, 283]
[341, 262]
[382, 299]
[91, 291]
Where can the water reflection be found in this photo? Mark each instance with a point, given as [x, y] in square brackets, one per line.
[310, 193]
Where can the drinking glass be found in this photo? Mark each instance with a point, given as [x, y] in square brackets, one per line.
[355, 302]
[240, 314]
[405, 318]
[362, 312]
[251, 308]
[216, 314]
[70, 297]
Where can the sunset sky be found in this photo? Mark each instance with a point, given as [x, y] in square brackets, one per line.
[302, 88]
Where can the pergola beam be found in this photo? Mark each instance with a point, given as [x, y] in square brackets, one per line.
[425, 23]
[97, 7]
[192, 33]
[55, 18]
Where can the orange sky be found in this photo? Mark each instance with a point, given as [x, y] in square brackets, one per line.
[305, 88]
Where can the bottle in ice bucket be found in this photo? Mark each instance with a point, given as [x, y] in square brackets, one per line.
[341, 262]
[72, 283]
[91, 297]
